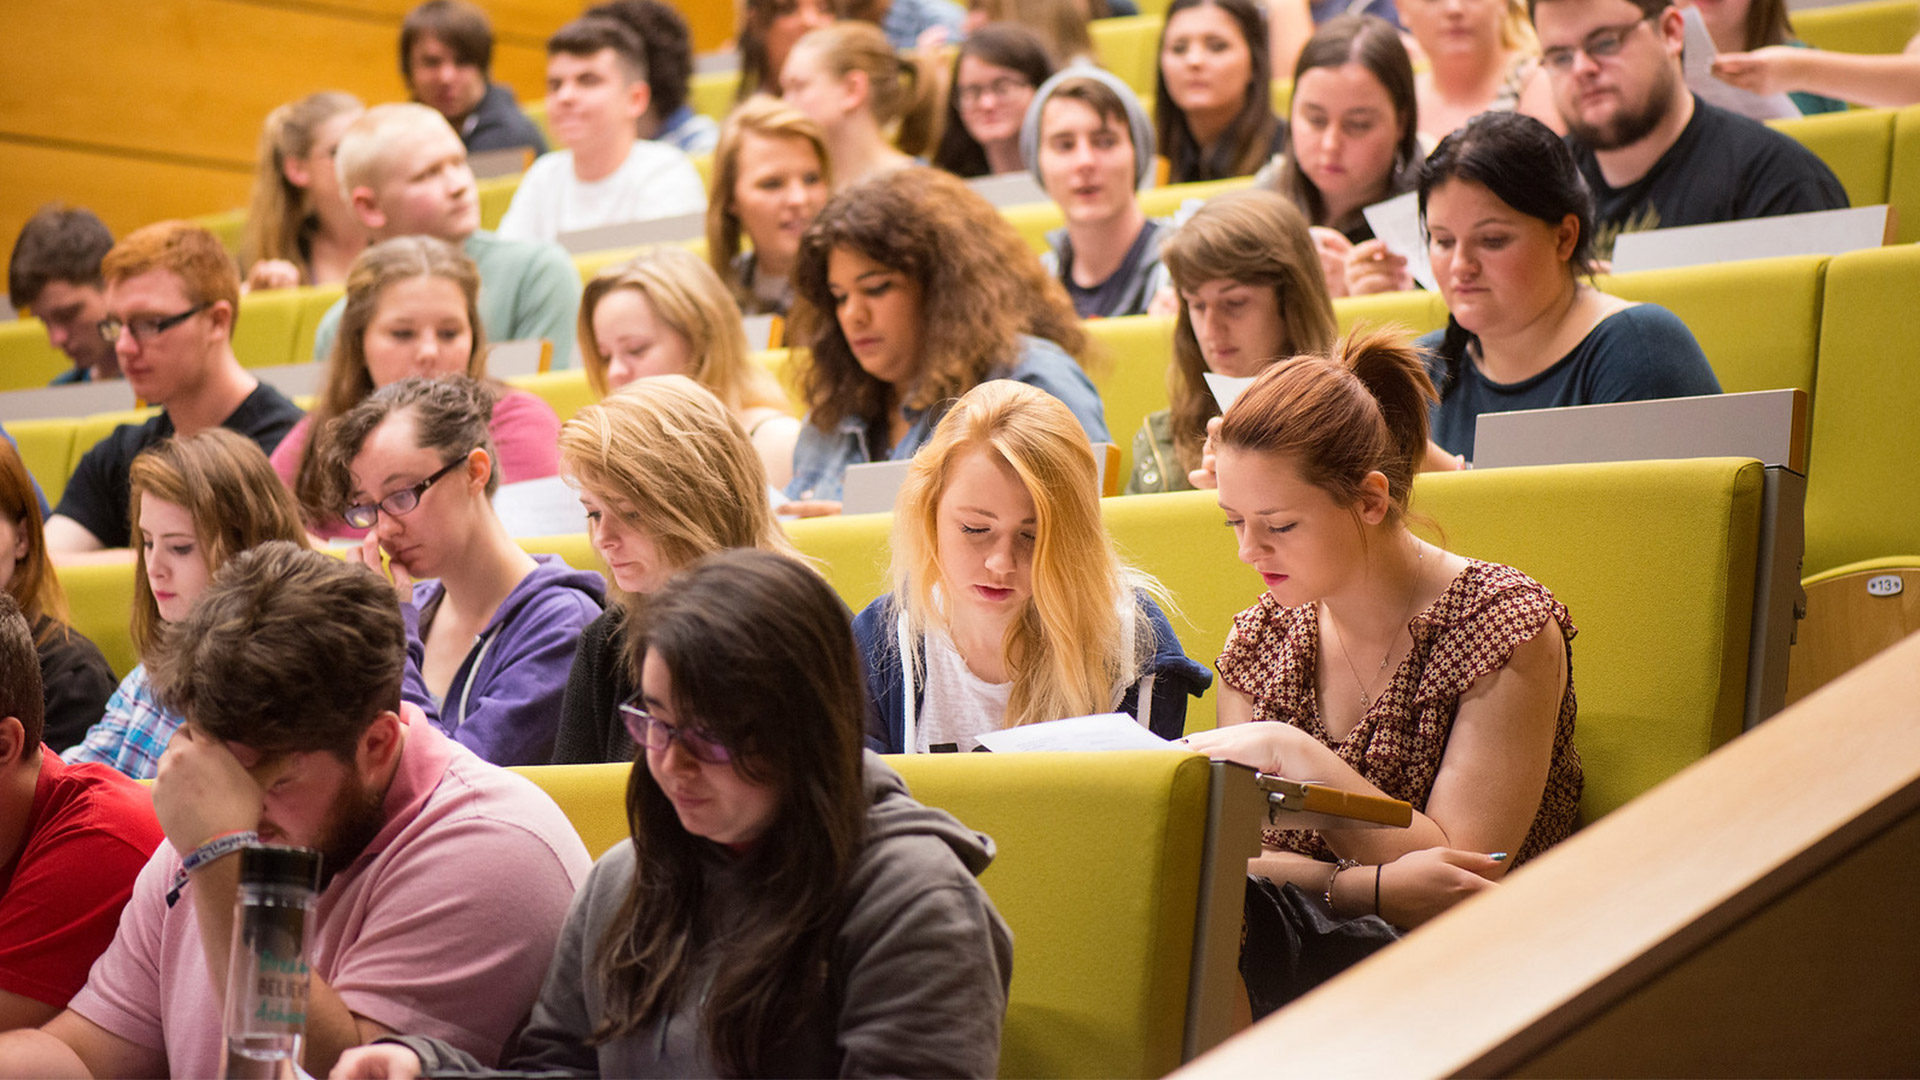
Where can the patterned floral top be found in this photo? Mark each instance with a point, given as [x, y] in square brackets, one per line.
[1472, 629]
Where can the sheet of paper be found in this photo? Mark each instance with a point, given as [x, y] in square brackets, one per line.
[759, 330]
[1817, 232]
[1227, 388]
[1701, 80]
[1396, 222]
[545, 507]
[1104, 731]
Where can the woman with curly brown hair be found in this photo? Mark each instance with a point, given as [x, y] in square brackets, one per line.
[912, 290]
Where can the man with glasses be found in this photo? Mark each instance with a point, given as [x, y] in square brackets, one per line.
[445, 880]
[1654, 155]
[172, 296]
[54, 275]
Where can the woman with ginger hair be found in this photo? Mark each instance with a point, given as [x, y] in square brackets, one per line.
[770, 180]
[664, 312]
[1009, 604]
[911, 290]
[666, 474]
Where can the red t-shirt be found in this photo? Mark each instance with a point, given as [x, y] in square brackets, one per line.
[88, 834]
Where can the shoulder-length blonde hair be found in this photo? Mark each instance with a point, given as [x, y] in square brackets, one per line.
[769, 118]
[348, 380]
[222, 479]
[33, 585]
[666, 451]
[980, 289]
[278, 216]
[1068, 652]
[691, 299]
[1254, 238]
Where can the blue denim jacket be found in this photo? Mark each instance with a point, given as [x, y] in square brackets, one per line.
[820, 458]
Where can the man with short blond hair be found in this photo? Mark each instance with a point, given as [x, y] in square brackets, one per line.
[405, 173]
[173, 294]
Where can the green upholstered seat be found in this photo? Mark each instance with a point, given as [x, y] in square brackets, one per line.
[1413, 312]
[46, 449]
[1856, 145]
[1129, 47]
[1758, 321]
[100, 600]
[88, 430]
[711, 92]
[496, 194]
[1870, 26]
[566, 391]
[1863, 495]
[266, 332]
[229, 225]
[1903, 178]
[1129, 368]
[1097, 873]
[27, 359]
[314, 302]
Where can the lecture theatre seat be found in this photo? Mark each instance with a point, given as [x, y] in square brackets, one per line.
[27, 359]
[46, 449]
[1857, 145]
[1903, 178]
[1097, 873]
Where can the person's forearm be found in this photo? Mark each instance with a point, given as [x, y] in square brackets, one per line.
[35, 1053]
[1320, 765]
[1883, 81]
[215, 887]
[332, 1028]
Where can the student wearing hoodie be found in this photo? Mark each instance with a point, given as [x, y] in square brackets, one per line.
[1089, 143]
[879, 955]
[490, 639]
[1006, 626]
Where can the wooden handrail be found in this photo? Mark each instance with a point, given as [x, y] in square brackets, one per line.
[1641, 901]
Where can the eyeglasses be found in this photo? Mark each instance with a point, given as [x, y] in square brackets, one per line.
[1602, 44]
[400, 502]
[145, 328]
[654, 733]
[999, 88]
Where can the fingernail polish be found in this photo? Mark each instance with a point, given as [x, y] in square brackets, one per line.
[1498, 856]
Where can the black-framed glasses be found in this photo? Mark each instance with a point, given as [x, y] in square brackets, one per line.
[400, 502]
[1000, 87]
[145, 328]
[1602, 44]
[654, 733]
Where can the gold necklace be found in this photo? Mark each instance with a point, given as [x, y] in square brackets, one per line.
[1413, 597]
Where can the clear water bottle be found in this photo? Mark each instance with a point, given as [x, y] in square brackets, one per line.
[266, 1016]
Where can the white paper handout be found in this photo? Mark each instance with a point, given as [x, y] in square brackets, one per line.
[1226, 388]
[544, 507]
[1103, 731]
[1396, 222]
[1701, 80]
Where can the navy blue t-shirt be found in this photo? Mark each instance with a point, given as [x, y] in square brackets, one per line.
[1638, 354]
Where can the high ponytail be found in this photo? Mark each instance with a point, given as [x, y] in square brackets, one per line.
[1362, 411]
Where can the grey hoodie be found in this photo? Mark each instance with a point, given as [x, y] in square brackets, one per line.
[918, 975]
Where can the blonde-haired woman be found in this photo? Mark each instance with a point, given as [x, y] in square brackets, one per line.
[412, 308]
[876, 107]
[664, 312]
[197, 502]
[300, 229]
[1251, 293]
[1481, 57]
[666, 475]
[770, 180]
[1009, 604]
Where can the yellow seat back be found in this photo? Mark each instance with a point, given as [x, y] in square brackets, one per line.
[1856, 145]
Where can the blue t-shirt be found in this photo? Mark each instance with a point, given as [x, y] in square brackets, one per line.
[1638, 354]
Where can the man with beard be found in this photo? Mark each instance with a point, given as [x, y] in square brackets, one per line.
[1654, 155]
[447, 879]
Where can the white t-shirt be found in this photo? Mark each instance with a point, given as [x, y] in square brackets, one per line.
[959, 706]
[656, 181]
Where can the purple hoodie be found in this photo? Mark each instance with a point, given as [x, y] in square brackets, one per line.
[504, 702]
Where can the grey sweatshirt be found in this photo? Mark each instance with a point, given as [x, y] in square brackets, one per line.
[918, 973]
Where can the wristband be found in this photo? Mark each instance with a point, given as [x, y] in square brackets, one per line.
[213, 850]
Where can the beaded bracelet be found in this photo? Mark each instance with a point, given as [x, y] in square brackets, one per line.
[1343, 864]
[213, 850]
